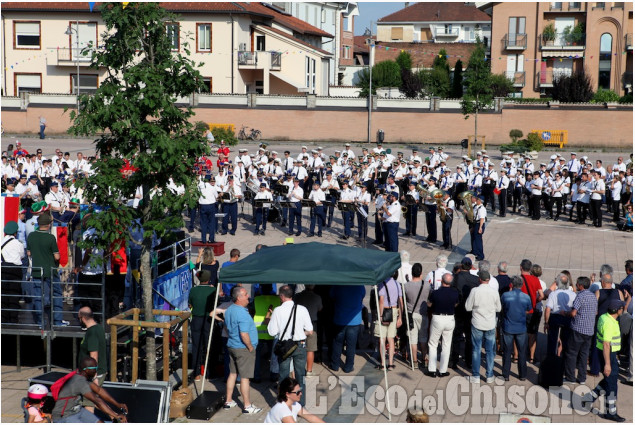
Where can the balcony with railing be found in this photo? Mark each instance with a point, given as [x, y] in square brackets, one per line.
[516, 77]
[515, 41]
[562, 41]
[546, 78]
[70, 57]
[446, 33]
[575, 6]
[629, 41]
[260, 60]
[555, 6]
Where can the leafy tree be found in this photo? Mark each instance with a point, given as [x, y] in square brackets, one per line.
[441, 61]
[457, 81]
[411, 85]
[404, 60]
[385, 74]
[478, 91]
[574, 88]
[134, 113]
[501, 85]
[435, 82]
[515, 134]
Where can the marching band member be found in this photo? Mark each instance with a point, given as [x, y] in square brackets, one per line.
[478, 227]
[536, 186]
[557, 189]
[362, 200]
[380, 200]
[502, 184]
[319, 214]
[295, 214]
[230, 206]
[431, 214]
[446, 226]
[447, 182]
[286, 212]
[444, 156]
[475, 181]
[348, 151]
[412, 209]
[490, 177]
[391, 217]
[527, 165]
[327, 185]
[262, 213]
[347, 196]
[57, 203]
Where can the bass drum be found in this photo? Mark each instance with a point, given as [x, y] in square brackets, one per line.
[274, 215]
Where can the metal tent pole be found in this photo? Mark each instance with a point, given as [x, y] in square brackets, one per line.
[383, 360]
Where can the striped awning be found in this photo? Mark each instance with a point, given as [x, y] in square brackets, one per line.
[562, 54]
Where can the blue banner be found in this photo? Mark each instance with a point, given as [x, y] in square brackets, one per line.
[175, 288]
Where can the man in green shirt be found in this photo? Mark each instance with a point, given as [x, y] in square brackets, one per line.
[609, 341]
[42, 248]
[93, 345]
[201, 301]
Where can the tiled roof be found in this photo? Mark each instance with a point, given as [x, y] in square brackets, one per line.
[437, 12]
[287, 20]
[297, 40]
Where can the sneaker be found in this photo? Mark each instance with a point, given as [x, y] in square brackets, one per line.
[568, 381]
[474, 379]
[490, 380]
[251, 409]
[614, 418]
[228, 405]
[310, 373]
[65, 323]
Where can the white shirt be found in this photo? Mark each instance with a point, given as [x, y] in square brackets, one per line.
[317, 196]
[597, 185]
[281, 410]
[54, 199]
[484, 303]
[395, 213]
[208, 193]
[279, 320]
[13, 252]
[434, 277]
[296, 194]
[557, 188]
[537, 190]
[347, 195]
[616, 191]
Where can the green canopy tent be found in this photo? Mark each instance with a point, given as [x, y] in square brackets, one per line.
[312, 263]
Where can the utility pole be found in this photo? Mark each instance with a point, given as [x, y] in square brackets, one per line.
[371, 50]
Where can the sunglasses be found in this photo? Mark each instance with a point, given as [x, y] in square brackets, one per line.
[295, 392]
[90, 367]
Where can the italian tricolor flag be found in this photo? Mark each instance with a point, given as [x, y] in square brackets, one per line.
[60, 231]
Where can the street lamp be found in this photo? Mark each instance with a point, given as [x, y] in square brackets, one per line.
[69, 31]
[371, 46]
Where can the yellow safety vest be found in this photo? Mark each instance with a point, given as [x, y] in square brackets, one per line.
[608, 330]
[261, 305]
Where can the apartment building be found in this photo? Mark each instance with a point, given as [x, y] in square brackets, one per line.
[435, 22]
[244, 47]
[335, 18]
[539, 41]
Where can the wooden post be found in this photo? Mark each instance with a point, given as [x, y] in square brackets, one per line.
[184, 336]
[113, 353]
[166, 354]
[135, 346]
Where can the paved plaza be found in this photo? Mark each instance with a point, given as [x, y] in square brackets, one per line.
[555, 246]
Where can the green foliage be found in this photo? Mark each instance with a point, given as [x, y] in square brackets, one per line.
[605, 96]
[549, 32]
[457, 81]
[411, 85]
[434, 82]
[515, 134]
[476, 79]
[574, 88]
[441, 61]
[201, 126]
[385, 74]
[626, 98]
[404, 60]
[528, 99]
[226, 134]
[501, 85]
[534, 142]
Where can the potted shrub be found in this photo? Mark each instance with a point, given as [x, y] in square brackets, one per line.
[567, 35]
[549, 34]
[577, 34]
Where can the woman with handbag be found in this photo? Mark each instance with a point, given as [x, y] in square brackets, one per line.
[390, 309]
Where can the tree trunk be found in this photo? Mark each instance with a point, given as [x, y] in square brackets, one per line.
[146, 281]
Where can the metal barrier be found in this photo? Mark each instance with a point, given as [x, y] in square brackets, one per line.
[173, 256]
[553, 137]
[19, 302]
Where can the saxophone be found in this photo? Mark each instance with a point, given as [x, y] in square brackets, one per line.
[466, 197]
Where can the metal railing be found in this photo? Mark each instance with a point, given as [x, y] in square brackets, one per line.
[516, 77]
[276, 60]
[555, 6]
[65, 54]
[171, 257]
[575, 6]
[247, 58]
[446, 32]
[562, 40]
[515, 41]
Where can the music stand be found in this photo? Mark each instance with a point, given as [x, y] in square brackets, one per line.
[225, 196]
[262, 203]
[334, 193]
[287, 204]
[308, 203]
[346, 206]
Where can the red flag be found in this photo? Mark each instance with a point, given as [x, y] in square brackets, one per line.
[61, 234]
[11, 207]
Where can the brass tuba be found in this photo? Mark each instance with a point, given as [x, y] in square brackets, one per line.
[423, 194]
[466, 197]
[437, 194]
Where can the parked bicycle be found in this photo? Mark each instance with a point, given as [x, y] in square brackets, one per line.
[254, 134]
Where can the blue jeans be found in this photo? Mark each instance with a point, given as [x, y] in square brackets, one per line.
[508, 349]
[299, 367]
[477, 342]
[349, 335]
[83, 416]
[42, 127]
[44, 284]
[208, 223]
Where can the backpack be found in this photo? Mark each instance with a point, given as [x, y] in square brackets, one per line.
[57, 387]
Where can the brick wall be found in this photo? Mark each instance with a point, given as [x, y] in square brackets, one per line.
[597, 127]
[423, 54]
